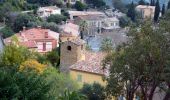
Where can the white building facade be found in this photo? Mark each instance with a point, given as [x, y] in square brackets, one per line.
[110, 23]
[45, 12]
[73, 1]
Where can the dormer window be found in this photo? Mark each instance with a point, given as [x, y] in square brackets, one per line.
[69, 48]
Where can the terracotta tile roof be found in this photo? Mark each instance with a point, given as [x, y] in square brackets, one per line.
[92, 63]
[79, 13]
[30, 36]
[92, 17]
[78, 41]
[71, 29]
[30, 44]
[145, 7]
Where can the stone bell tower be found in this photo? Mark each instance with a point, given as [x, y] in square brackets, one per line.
[71, 51]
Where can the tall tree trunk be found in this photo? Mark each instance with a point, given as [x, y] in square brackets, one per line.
[144, 93]
[130, 96]
[167, 96]
[152, 92]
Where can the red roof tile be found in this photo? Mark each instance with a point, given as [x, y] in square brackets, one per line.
[92, 64]
[29, 37]
[30, 44]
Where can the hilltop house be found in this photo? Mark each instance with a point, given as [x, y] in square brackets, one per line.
[146, 11]
[38, 39]
[94, 23]
[1, 43]
[73, 1]
[83, 66]
[45, 12]
[110, 23]
[75, 14]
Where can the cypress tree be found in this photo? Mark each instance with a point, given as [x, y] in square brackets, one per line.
[131, 12]
[163, 9]
[168, 7]
[141, 2]
[151, 2]
[157, 11]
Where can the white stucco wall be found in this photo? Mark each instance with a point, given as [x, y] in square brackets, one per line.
[45, 12]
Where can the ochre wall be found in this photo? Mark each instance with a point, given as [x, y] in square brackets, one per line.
[89, 78]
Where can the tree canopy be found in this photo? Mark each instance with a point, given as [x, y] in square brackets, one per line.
[142, 2]
[139, 65]
[168, 6]
[132, 12]
[80, 6]
[157, 11]
[24, 77]
[93, 91]
[56, 18]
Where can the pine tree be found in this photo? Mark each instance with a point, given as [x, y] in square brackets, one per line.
[131, 12]
[168, 7]
[163, 9]
[157, 11]
[151, 2]
[141, 2]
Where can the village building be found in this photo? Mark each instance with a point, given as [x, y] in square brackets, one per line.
[114, 13]
[83, 66]
[90, 70]
[94, 24]
[73, 1]
[75, 14]
[110, 23]
[45, 12]
[69, 30]
[37, 39]
[146, 11]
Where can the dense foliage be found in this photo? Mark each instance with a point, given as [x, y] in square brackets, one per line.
[132, 12]
[106, 45]
[24, 77]
[141, 66]
[23, 20]
[118, 4]
[168, 6]
[157, 11]
[80, 6]
[96, 3]
[93, 91]
[56, 18]
[142, 2]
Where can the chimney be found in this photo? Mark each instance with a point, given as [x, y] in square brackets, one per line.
[39, 27]
[46, 34]
[24, 28]
[21, 33]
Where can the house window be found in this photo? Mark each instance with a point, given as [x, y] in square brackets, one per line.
[44, 46]
[79, 78]
[69, 48]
